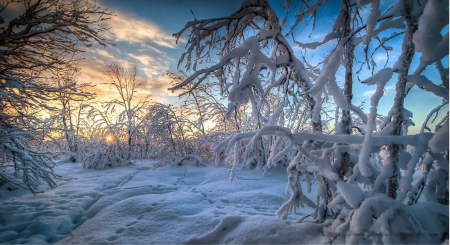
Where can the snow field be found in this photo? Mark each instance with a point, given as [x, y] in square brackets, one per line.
[172, 204]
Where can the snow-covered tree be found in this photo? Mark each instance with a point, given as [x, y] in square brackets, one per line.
[125, 81]
[366, 192]
[36, 37]
[118, 131]
[71, 102]
[205, 112]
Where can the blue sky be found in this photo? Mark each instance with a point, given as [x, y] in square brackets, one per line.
[143, 35]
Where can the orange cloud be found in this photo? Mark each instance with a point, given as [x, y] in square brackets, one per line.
[140, 42]
[91, 74]
[156, 82]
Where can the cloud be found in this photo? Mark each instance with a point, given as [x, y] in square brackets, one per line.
[151, 66]
[138, 41]
[380, 57]
[158, 87]
[156, 82]
[146, 47]
[91, 74]
[124, 27]
[369, 93]
[103, 53]
[388, 90]
[133, 30]
[313, 37]
[144, 59]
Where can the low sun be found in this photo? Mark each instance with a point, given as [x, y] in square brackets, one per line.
[109, 138]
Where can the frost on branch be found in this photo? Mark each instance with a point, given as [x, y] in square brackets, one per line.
[380, 78]
[31, 167]
[44, 38]
[288, 114]
[422, 82]
[439, 142]
[352, 194]
[428, 39]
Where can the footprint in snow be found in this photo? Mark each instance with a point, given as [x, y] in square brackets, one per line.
[120, 230]
[112, 238]
[131, 223]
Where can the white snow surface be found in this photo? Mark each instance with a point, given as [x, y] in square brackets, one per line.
[352, 194]
[141, 204]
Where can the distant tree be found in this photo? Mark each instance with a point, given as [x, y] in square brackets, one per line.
[71, 100]
[121, 133]
[125, 81]
[202, 107]
[45, 35]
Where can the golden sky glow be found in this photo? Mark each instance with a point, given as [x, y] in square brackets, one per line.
[142, 32]
[109, 138]
[138, 41]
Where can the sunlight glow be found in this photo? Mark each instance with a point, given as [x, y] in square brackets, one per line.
[109, 138]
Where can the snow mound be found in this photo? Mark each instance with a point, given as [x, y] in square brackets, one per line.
[261, 230]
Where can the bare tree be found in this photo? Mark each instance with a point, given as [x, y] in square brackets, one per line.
[125, 81]
[398, 117]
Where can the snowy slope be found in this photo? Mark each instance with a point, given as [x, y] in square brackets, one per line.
[172, 204]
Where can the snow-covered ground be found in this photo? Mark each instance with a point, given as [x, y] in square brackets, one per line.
[171, 204]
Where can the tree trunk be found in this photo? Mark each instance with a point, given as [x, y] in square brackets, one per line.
[70, 144]
[315, 126]
[400, 88]
[346, 117]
